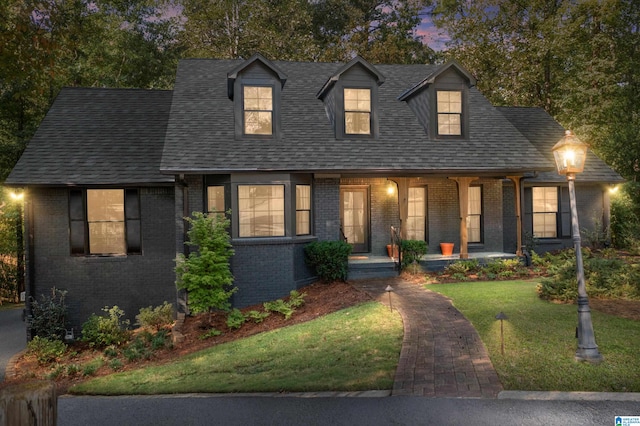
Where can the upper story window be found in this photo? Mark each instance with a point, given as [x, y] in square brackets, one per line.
[449, 112]
[258, 110]
[357, 111]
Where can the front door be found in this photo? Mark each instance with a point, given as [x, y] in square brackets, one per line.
[354, 216]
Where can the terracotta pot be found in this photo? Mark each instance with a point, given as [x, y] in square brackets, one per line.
[446, 249]
[392, 251]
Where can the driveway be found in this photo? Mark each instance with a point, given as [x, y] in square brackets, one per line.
[13, 336]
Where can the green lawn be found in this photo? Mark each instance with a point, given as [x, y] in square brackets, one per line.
[353, 349]
[540, 341]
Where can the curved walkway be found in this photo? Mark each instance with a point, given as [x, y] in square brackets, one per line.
[442, 354]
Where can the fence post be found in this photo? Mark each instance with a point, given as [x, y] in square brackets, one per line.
[32, 403]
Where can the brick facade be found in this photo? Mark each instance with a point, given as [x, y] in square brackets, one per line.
[93, 282]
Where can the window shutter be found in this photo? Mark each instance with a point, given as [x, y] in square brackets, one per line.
[77, 222]
[132, 219]
[565, 212]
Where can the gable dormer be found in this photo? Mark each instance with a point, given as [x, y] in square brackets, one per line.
[255, 87]
[350, 99]
[441, 101]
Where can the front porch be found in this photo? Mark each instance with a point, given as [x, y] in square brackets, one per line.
[368, 266]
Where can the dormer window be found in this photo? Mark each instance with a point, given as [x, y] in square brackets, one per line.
[357, 111]
[258, 110]
[449, 110]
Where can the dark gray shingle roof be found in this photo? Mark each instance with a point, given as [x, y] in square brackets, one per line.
[98, 137]
[200, 134]
[543, 132]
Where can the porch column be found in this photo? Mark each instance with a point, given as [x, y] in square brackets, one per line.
[463, 201]
[516, 183]
[403, 204]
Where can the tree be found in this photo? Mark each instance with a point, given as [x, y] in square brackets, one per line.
[205, 274]
[45, 45]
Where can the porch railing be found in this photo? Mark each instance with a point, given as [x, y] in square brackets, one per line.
[396, 245]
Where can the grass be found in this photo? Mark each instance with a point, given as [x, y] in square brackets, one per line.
[353, 349]
[540, 341]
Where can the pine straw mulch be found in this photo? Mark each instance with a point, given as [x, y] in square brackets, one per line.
[321, 299]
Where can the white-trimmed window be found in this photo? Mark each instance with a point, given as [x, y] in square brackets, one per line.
[106, 221]
[545, 211]
[449, 112]
[303, 209]
[261, 211]
[357, 111]
[258, 110]
[474, 215]
[417, 214]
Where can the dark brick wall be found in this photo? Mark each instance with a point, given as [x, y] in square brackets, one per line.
[268, 269]
[326, 203]
[131, 282]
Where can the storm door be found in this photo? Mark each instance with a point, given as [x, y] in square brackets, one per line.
[354, 217]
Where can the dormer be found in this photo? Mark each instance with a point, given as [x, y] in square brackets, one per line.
[350, 99]
[255, 87]
[441, 101]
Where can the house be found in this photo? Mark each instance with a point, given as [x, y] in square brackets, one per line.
[298, 152]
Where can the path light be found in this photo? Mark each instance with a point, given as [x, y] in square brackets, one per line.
[389, 289]
[569, 154]
[501, 316]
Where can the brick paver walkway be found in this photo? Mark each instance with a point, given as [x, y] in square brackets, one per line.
[442, 354]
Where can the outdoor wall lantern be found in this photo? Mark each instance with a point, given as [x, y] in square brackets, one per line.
[569, 154]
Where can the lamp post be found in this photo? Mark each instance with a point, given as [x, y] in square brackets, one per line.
[569, 154]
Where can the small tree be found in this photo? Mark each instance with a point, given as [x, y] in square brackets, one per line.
[206, 273]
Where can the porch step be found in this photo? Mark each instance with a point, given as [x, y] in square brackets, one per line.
[372, 268]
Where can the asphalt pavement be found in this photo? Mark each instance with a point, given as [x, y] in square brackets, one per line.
[13, 336]
[201, 409]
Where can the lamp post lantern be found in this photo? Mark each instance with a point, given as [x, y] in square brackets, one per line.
[569, 154]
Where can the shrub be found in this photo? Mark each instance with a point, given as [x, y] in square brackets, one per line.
[115, 364]
[156, 318]
[625, 222]
[281, 307]
[296, 299]
[137, 349]
[206, 273]
[90, 368]
[211, 333]
[46, 350]
[106, 330]
[329, 258]
[235, 319]
[257, 316]
[412, 251]
[48, 315]
[463, 267]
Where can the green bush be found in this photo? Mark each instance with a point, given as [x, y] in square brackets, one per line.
[206, 273]
[412, 251]
[138, 348]
[102, 331]
[48, 315]
[211, 333]
[296, 299]
[235, 319]
[46, 350]
[463, 267]
[156, 318]
[605, 277]
[258, 316]
[329, 258]
[281, 307]
[625, 222]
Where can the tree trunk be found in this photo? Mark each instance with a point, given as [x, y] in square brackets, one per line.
[33, 403]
